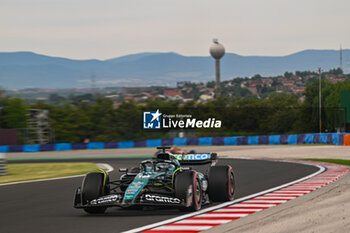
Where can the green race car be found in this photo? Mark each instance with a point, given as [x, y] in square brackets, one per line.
[165, 180]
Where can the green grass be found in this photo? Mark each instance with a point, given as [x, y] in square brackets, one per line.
[81, 157]
[36, 171]
[337, 161]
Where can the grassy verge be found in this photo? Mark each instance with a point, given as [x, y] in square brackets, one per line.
[337, 161]
[35, 171]
[81, 157]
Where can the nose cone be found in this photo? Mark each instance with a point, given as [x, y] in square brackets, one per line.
[217, 50]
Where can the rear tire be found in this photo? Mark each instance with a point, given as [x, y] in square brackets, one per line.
[221, 185]
[93, 187]
[188, 189]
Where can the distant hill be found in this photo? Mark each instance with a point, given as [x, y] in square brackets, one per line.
[27, 69]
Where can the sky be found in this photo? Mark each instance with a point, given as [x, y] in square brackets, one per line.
[87, 29]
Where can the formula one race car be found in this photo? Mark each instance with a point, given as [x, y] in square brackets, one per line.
[165, 180]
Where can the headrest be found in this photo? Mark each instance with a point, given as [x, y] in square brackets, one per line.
[164, 156]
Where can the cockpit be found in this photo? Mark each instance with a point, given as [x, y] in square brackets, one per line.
[163, 162]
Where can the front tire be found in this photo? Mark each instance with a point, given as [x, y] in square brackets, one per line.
[93, 187]
[188, 189]
[221, 183]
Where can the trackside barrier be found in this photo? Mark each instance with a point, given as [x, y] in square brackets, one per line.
[347, 140]
[291, 139]
[3, 170]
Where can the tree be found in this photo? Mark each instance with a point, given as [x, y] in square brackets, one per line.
[3, 101]
[256, 77]
[103, 119]
[288, 74]
[56, 99]
[211, 84]
[15, 113]
[283, 111]
[129, 121]
[336, 71]
[310, 107]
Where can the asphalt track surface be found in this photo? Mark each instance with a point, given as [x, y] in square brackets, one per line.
[48, 206]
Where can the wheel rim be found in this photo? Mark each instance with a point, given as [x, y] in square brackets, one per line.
[198, 192]
[189, 196]
[232, 184]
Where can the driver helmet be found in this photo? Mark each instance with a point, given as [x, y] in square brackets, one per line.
[171, 167]
[161, 167]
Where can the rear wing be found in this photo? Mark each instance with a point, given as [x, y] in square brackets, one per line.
[197, 158]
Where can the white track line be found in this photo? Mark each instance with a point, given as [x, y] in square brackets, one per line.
[243, 204]
[265, 201]
[106, 166]
[204, 221]
[179, 228]
[283, 194]
[237, 210]
[220, 215]
[276, 197]
[229, 203]
[282, 191]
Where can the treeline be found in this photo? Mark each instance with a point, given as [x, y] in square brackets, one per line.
[100, 120]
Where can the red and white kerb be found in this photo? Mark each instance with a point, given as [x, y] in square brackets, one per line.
[227, 214]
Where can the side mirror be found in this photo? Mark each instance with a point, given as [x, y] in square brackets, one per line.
[123, 169]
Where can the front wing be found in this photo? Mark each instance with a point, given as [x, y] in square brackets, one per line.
[145, 199]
